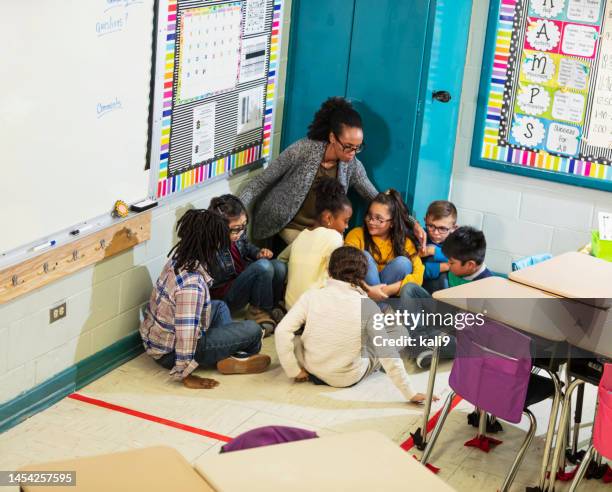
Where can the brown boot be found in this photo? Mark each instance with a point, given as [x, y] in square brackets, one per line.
[248, 365]
[262, 318]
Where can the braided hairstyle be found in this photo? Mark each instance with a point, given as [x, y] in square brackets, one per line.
[348, 264]
[201, 234]
[330, 195]
[228, 206]
[400, 225]
[332, 116]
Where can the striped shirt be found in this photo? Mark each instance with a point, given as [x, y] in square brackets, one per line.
[177, 314]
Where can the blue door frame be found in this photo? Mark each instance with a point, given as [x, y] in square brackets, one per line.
[387, 57]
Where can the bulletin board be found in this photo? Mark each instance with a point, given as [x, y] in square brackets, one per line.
[215, 83]
[545, 101]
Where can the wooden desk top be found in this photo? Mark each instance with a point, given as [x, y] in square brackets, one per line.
[572, 275]
[530, 310]
[359, 461]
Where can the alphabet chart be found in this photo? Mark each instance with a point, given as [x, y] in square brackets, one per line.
[550, 87]
[215, 82]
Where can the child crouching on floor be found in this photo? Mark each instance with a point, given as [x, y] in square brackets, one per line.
[334, 320]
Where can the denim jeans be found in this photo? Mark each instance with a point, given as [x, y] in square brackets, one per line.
[394, 271]
[434, 284]
[223, 338]
[261, 284]
[414, 299]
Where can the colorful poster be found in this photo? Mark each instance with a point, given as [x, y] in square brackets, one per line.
[550, 92]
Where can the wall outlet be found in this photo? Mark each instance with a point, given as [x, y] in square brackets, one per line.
[58, 312]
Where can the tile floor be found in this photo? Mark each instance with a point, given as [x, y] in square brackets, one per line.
[73, 428]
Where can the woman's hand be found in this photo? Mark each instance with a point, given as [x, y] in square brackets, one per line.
[419, 232]
[265, 253]
[196, 382]
[302, 377]
[377, 292]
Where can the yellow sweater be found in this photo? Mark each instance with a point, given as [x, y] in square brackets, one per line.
[355, 238]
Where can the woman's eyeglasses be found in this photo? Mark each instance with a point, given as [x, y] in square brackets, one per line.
[350, 148]
[376, 219]
[238, 229]
[440, 229]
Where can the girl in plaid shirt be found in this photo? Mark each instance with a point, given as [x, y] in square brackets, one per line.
[182, 327]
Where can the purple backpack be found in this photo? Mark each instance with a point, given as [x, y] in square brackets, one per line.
[267, 436]
[492, 369]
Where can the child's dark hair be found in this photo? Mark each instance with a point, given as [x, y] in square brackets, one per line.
[228, 206]
[348, 264]
[201, 234]
[464, 244]
[441, 209]
[330, 195]
[401, 226]
[333, 114]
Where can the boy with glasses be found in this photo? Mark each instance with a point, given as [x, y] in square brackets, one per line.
[440, 221]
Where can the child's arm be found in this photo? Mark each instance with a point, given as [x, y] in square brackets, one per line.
[285, 333]
[252, 251]
[418, 270]
[285, 254]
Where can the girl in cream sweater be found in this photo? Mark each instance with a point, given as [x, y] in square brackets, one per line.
[335, 319]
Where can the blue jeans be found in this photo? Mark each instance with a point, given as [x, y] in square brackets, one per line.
[434, 284]
[414, 299]
[394, 271]
[223, 338]
[261, 284]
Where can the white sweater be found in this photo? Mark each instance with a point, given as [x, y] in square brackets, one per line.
[332, 338]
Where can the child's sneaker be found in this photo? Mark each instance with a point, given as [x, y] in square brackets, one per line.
[243, 363]
[262, 318]
[423, 360]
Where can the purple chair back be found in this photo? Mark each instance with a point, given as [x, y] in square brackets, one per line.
[492, 368]
[266, 436]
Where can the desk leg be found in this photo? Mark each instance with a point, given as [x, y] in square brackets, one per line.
[552, 423]
[577, 420]
[560, 444]
[435, 359]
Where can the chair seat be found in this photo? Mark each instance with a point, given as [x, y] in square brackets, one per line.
[540, 388]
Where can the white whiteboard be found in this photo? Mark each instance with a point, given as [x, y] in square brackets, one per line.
[74, 106]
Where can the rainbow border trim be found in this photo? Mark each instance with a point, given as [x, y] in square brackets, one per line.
[169, 185]
[527, 158]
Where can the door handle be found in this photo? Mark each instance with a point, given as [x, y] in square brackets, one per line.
[442, 96]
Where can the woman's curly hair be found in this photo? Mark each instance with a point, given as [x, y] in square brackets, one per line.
[332, 116]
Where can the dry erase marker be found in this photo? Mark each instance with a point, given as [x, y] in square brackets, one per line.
[76, 232]
[48, 244]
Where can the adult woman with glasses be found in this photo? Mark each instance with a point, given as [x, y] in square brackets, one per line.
[283, 195]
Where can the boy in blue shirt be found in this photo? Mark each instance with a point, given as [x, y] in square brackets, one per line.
[465, 249]
[440, 221]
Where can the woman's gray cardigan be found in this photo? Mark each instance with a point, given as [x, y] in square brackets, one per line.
[278, 192]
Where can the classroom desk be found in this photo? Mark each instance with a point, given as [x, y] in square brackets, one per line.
[571, 275]
[359, 461]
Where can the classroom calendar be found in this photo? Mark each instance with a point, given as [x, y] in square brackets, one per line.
[209, 50]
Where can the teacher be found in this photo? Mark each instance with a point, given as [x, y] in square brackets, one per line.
[283, 194]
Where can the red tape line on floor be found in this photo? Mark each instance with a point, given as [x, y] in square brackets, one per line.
[151, 418]
[408, 444]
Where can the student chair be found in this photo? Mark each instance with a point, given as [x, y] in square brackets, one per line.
[492, 370]
[530, 261]
[602, 430]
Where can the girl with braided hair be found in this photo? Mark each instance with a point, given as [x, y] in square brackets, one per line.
[243, 273]
[182, 328]
[308, 256]
[335, 319]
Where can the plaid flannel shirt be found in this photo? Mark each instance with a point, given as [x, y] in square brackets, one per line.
[177, 315]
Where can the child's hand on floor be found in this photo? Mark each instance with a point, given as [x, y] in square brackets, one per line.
[377, 292]
[302, 377]
[421, 397]
[265, 253]
[196, 382]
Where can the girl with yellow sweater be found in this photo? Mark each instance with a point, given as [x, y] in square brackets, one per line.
[394, 267]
